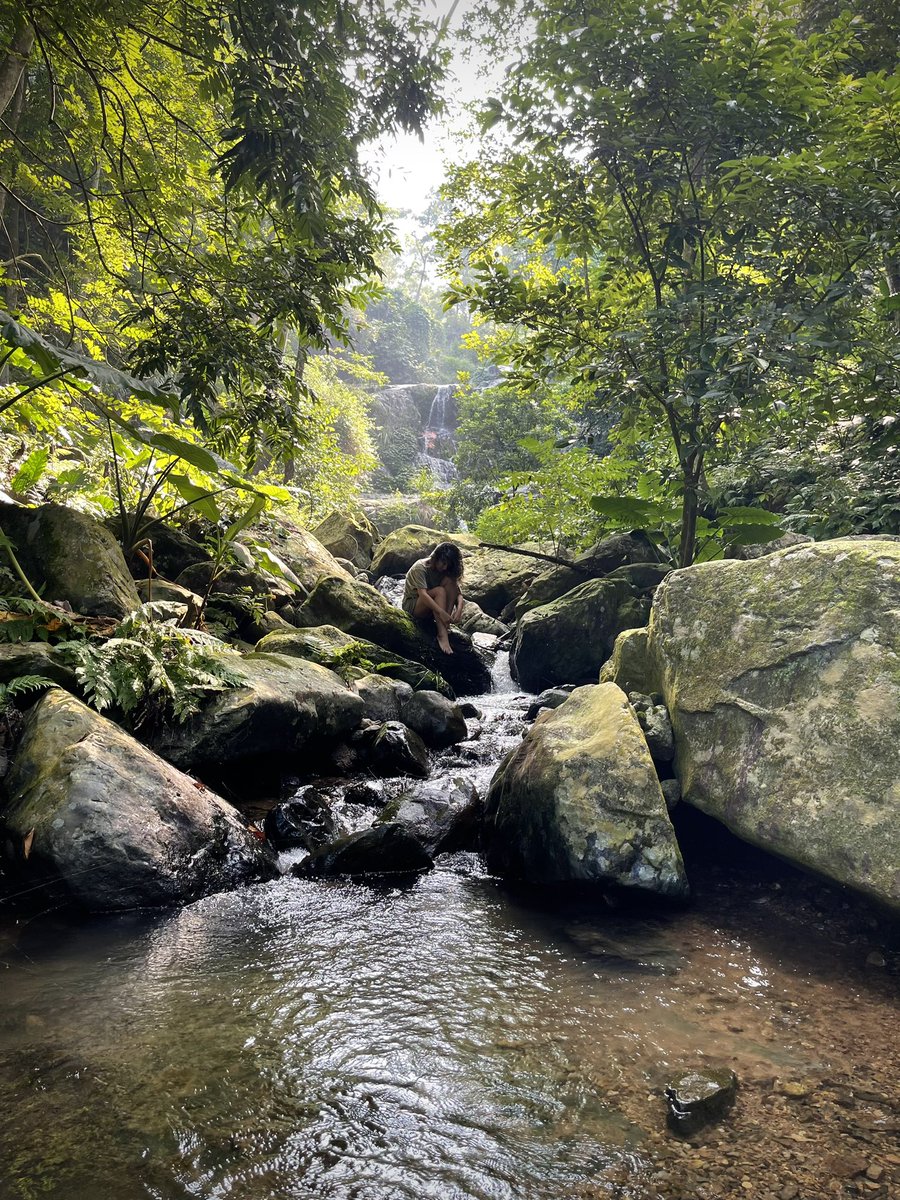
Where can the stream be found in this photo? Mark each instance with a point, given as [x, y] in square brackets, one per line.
[453, 1038]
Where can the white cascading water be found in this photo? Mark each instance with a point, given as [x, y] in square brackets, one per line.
[438, 438]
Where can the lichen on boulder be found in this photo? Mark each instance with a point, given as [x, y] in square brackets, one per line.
[579, 802]
[782, 679]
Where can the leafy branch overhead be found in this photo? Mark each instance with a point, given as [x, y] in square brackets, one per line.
[183, 196]
[678, 214]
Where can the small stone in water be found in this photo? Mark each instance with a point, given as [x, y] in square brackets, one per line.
[875, 959]
[698, 1097]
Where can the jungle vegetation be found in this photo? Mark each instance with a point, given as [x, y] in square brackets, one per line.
[674, 240]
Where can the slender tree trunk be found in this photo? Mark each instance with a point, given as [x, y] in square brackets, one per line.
[692, 468]
[892, 274]
[14, 60]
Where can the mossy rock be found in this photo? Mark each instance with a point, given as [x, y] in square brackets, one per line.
[67, 555]
[568, 640]
[361, 610]
[283, 705]
[351, 536]
[579, 802]
[301, 552]
[782, 679]
[332, 648]
[631, 666]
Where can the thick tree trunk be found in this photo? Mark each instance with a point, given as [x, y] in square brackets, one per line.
[14, 60]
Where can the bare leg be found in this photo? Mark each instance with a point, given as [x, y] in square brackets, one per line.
[439, 596]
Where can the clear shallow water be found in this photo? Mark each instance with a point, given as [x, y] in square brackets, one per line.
[309, 1039]
[452, 1039]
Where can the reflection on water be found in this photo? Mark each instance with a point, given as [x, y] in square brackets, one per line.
[309, 1039]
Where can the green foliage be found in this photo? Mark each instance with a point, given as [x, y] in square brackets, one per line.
[185, 219]
[151, 672]
[26, 620]
[682, 216]
[661, 518]
[848, 482]
[549, 503]
[23, 685]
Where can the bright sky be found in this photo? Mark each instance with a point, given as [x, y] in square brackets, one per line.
[407, 170]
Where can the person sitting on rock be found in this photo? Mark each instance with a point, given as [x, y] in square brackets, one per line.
[432, 590]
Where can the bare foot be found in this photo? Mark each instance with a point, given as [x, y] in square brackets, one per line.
[445, 645]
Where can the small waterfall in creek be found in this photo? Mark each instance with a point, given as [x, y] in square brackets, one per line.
[438, 441]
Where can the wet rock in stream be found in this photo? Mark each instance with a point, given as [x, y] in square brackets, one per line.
[442, 814]
[697, 1098]
[305, 822]
[382, 850]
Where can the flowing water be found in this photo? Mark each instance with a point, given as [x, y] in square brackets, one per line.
[452, 1038]
[438, 438]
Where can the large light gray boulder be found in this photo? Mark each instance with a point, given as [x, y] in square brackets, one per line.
[782, 679]
[67, 555]
[579, 802]
[119, 826]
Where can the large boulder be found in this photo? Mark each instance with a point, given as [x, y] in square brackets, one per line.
[283, 704]
[119, 826]
[302, 553]
[568, 640]
[579, 802]
[361, 610]
[349, 535]
[629, 556]
[437, 721]
[492, 579]
[618, 550]
[68, 555]
[782, 679]
[331, 647]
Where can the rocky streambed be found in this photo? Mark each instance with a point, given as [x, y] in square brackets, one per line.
[454, 1037]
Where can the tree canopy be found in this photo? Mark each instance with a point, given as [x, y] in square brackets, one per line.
[691, 213]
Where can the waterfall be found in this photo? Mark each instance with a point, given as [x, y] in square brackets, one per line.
[438, 442]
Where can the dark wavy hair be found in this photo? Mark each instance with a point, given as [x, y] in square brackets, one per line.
[452, 556]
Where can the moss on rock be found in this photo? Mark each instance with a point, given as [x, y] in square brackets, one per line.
[782, 679]
[579, 801]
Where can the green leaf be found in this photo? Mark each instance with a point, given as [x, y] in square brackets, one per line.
[258, 504]
[198, 497]
[31, 470]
